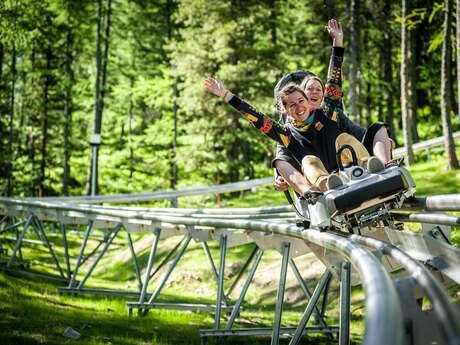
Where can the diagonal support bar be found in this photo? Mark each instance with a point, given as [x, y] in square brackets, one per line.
[318, 317]
[242, 270]
[101, 254]
[82, 250]
[236, 307]
[135, 263]
[166, 259]
[325, 278]
[170, 269]
[6, 228]
[41, 229]
[19, 241]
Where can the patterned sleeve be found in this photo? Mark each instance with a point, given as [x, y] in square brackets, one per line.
[333, 94]
[262, 122]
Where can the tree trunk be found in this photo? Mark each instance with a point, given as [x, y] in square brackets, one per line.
[175, 95]
[130, 119]
[41, 191]
[10, 136]
[101, 72]
[272, 20]
[405, 111]
[2, 54]
[368, 119]
[412, 82]
[452, 162]
[368, 105]
[388, 91]
[457, 45]
[174, 139]
[67, 112]
[355, 48]
[104, 64]
[97, 121]
[330, 9]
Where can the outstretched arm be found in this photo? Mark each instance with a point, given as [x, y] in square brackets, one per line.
[261, 121]
[333, 91]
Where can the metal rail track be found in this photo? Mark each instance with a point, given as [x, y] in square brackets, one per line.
[384, 296]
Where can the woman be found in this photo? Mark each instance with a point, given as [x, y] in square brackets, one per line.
[375, 139]
[316, 151]
[311, 139]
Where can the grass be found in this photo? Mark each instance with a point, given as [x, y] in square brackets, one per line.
[34, 313]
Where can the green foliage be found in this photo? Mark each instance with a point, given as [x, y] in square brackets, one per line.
[159, 53]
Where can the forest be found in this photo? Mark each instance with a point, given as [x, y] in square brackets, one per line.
[114, 88]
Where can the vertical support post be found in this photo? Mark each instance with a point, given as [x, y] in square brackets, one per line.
[236, 307]
[19, 242]
[94, 148]
[325, 278]
[82, 250]
[135, 263]
[280, 295]
[220, 284]
[213, 268]
[101, 254]
[66, 250]
[428, 156]
[173, 202]
[152, 255]
[345, 287]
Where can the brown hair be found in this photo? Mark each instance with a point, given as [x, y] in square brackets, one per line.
[312, 77]
[286, 91]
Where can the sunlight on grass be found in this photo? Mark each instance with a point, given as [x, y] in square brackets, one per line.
[33, 311]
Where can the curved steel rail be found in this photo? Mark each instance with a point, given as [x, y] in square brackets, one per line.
[448, 315]
[382, 302]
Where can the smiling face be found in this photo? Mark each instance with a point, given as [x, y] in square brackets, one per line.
[296, 106]
[314, 92]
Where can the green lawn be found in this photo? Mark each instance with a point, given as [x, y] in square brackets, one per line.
[34, 313]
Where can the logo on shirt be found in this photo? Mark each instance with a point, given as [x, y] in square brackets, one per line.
[332, 91]
[267, 125]
[250, 117]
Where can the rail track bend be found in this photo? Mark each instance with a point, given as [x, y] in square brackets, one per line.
[396, 268]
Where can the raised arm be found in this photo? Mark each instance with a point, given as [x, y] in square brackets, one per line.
[265, 124]
[333, 89]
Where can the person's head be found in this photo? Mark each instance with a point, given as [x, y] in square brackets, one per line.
[313, 87]
[293, 100]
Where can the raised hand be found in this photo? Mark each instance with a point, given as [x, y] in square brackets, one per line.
[334, 28]
[215, 86]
